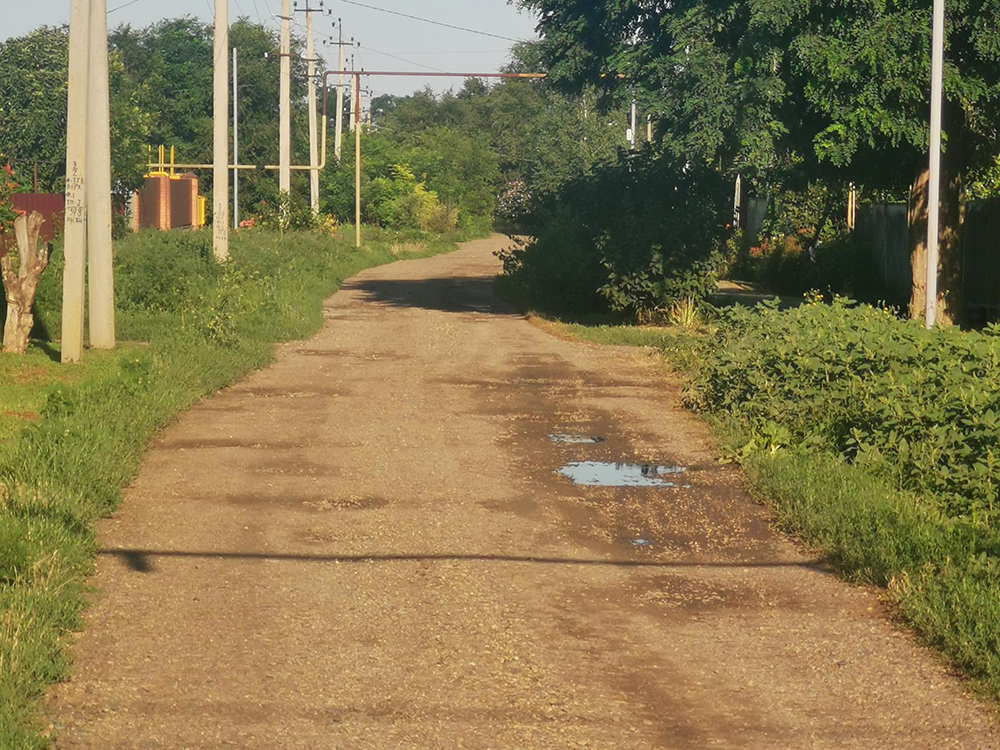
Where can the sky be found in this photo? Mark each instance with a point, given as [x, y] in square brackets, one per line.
[421, 45]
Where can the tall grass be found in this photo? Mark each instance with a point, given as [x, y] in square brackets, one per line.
[202, 327]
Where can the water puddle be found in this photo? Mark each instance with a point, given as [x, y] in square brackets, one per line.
[576, 439]
[601, 474]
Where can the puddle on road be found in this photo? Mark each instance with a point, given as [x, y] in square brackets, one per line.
[601, 474]
[576, 439]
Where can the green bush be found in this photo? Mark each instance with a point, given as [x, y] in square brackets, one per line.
[919, 407]
[400, 201]
[634, 237]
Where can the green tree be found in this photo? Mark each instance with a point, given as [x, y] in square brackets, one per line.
[787, 91]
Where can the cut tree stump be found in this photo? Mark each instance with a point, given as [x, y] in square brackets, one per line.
[20, 283]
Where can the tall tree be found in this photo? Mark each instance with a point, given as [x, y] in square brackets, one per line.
[785, 90]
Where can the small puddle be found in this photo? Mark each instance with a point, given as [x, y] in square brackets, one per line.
[576, 439]
[600, 474]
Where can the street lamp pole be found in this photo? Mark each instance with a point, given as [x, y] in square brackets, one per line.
[934, 181]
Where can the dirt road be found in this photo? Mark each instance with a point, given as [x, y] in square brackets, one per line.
[369, 546]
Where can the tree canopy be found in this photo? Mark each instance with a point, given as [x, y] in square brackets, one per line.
[775, 89]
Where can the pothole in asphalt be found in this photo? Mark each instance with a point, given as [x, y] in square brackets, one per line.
[603, 474]
[576, 439]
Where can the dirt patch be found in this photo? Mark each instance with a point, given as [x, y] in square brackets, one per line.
[27, 416]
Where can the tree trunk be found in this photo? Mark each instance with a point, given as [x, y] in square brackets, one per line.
[21, 283]
[950, 302]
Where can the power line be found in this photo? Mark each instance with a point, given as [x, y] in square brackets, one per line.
[124, 5]
[428, 20]
[401, 59]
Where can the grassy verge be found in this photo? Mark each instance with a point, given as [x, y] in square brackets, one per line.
[70, 438]
[804, 421]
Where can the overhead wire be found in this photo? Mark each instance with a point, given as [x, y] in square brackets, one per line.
[430, 21]
[123, 5]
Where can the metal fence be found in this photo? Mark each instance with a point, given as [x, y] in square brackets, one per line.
[982, 257]
[887, 225]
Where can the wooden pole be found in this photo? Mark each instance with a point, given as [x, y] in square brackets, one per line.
[220, 134]
[75, 245]
[99, 248]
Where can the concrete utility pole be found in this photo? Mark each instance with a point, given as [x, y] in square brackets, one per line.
[313, 145]
[632, 126]
[220, 153]
[101, 274]
[76, 182]
[354, 101]
[356, 121]
[236, 141]
[339, 132]
[934, 182]
[285, 106]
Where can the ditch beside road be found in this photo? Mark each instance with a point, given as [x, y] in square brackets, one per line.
[371, 544]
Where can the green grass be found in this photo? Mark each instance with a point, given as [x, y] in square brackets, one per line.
[28, 381]
[942, 571]
[80, 432]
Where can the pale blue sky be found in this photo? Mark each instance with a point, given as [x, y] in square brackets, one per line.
[419, 43]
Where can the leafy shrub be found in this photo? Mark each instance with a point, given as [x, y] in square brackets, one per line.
[157, 270]
[634, 237]
[400, 201]
[921, 408]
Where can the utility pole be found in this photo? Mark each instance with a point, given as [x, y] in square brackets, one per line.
[632, 126]
[313, 146]
[339, 117]
[285, 107]
[354, 99]
[236, 141]
[934, 181]
[220, 166]
[356, 120]
[101, 273]
[75, 246]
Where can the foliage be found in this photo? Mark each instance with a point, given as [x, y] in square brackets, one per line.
[33, 102]
[72, 440]
[399, 201]
[921, 408]
[33, 92]
[634, 237]
[791, 93]
[778, 89]
[8, 186]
